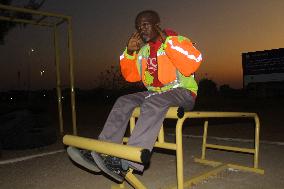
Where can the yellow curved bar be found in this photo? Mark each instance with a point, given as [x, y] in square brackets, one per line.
[131, 153]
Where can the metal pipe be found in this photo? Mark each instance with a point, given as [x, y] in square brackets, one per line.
[204, 140]
[218, 114]
[131, 153]
[161, 136]
[137, 184]
[172, 113]
[179, 152]
[230, 148]
[71, 69]
[256, 141]
[58, 80]
[164, 145]
[18, 20]
[132, 123]
[20, 9]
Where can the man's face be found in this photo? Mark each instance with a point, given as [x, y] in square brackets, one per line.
[146, 28]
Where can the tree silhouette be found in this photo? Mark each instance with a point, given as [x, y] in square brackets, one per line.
[207, 87]
[112, 79]
[226, 90]
[7, 26]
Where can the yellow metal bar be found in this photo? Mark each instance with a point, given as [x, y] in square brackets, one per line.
[179, 153]
[136, 112]
[58, 80]
[41, 19]
[218, 114]
[245, 168]
[132, 123]
[118, 186]
[133, 181]
[164, 145]
[18, 20]
[172, 113]
[20, 9]
[125, 139]
[206, 175]
[230, 165]
[60, 22]
[256, 141]
[230, 148]
[118, 150]
[208, 162]
[161, 136]
[204, 140]
[71, 69]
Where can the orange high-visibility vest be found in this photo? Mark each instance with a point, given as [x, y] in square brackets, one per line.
[177, 61]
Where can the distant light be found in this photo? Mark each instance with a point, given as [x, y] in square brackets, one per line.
[107, 96]
[11, 98]
[43, 94]
[33, 50]
[41, 72]
[62, 97]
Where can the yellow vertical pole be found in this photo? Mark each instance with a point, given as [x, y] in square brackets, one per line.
[179, 153]
[133, 181]
[132, 123]
[58, 80]
[161, 137]
[71, 65]
[204, 140]
[256, 140]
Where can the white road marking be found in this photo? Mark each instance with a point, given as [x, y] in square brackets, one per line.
[15, 160]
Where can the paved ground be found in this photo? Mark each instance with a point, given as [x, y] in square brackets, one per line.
[49, 167]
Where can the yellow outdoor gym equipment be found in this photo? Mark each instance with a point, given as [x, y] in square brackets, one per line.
[53, 21]
[180, 115]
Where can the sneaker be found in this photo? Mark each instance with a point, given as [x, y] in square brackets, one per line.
[83, 158]
[112, 166]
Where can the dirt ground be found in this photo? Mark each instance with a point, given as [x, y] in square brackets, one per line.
[50, 167]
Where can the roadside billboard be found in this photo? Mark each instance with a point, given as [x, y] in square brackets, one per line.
[263, 66]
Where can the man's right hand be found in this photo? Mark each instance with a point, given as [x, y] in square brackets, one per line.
[134, 43]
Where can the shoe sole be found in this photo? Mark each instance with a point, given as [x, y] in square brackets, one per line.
[100, 163]
[77, 157]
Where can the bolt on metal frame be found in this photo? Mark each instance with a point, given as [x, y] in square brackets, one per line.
[56, 20]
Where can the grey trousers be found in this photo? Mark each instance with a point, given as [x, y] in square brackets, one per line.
[154, 107]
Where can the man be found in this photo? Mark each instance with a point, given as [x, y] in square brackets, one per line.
[165, 62]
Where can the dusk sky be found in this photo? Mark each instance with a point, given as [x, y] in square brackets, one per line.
[222, 29]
